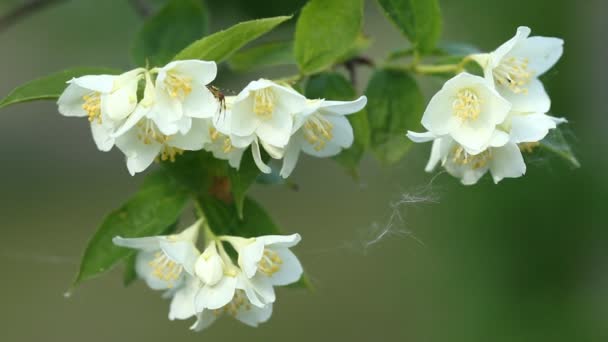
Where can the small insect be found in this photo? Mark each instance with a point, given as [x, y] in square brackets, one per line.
[217, 93]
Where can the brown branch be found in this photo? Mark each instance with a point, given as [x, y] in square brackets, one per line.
[28, 8]
[142, 7]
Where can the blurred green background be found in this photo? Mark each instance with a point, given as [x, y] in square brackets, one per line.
[525, 260]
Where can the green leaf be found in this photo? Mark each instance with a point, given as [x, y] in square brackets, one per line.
[171, 29]
[556, 143]
[418, 20]
[334, 86]
[49, 87]
[221, 45]
[130, 274]
[242, 179]
[395, 105]
[263, 55]
[157, 205]
[325, 32]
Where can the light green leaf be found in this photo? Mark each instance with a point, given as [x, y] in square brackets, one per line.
[263, 55]
[221, 45]
[50, 87]
[334, 86]
[325, 32]
[418, 20]
[242, 179]
[556, 143]
[167, 32]
[395, 105]
[156, 206]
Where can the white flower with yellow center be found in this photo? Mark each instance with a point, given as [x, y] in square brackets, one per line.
[265, 110]
[105, 99]
[322, 132]
[218, 277]
[502, 162]
[182, 90]
[142, 141]
[268, 256]
[239, 308]
[516, 65]
[161, 260]
[468, 109]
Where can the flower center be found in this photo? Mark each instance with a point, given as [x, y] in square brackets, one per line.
[263, 103]
[514, 74]
[178, 86]
[225, 140]
[271, 262]
[239, 301]
[467, 105]
[92, 105]
[318, 131]
[164, 268]
[149, 133]
[478, 161]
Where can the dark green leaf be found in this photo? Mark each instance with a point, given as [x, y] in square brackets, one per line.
[50, 87]
[242, 179]
[156, 206]
[556, 143]
[325, 32]
[418, 20]
[177, 24]
[130, 274]
[264, 55]
[221, 45]
[334, 86]
[395, 105]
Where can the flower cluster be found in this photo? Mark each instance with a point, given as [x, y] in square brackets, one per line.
[179, 110]
[208, 284]
[479, 124]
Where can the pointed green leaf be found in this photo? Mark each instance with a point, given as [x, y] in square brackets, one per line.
[170, 30]
[157, 205]
[395, 105]
[325, 32]
[556, 143]
[334, 86]
[418, 20]
[263, 55]
[221, 45]
[50, 87]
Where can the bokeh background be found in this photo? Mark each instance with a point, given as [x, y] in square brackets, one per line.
[525, 260]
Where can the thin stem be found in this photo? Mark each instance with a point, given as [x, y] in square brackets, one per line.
[436, 69]
[26, 9]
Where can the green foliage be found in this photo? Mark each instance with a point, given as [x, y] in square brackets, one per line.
[263, 55]
[334, 86]
[326, 31]
[156, 206]
[418, 20]
[130, 274]
[556, 143]
[164, 34]
[221, 45]
[395, 105]
[242, 179]
[223, 219]
[49, 87]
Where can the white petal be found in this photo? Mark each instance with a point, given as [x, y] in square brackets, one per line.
[100, 83]
[209, 266]
[263, 287]
[194, 140]
[535, 100]
[132, 120]
[257, 158]
[530, 127]
[119, 104]
[203, 320]
[146, 272]
[507, 162]
[290, 271]
[71, 100]
[214, 297]
[200, 103]
[344, 107]
[438, 116]
[522, 33]
[254, 316]
[245, 285]
[540, 52]
[201, 72]
[249, 257]
[292, 153]
[435, 156]
[275, 241]
[182, 304]
[139, 155]
[103, 136]
[276, 130]
[243, 122]
[149, 243]
[183, 253]
[421, 137]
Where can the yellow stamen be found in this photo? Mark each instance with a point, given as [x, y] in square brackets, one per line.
[164, 268]
[514, 74]
[92, 105]
[271, 262]
[528, 147]
[467, 105]
[318, 131]
[478, 161]
[263, 103]
[178, 86]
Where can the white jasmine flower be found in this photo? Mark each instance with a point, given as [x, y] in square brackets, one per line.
[141, 139]
[468, 110]
[265, 110]
[239, 308]
[516, 65]
[182, 298]
[182, 90]
[324, 132]
[162, 259]
[268, 256]
[530, 127]
[218, 279]
[105, 99]
[502, 162]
